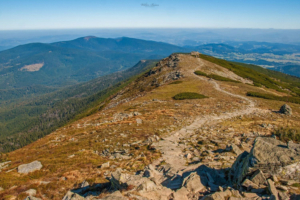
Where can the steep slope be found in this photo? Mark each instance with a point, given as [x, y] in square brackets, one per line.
[142, 124]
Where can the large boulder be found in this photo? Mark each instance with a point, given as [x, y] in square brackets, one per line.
[31, 167]
[286, 109]
[269, 155]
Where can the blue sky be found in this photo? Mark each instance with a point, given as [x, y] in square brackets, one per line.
[65, 14]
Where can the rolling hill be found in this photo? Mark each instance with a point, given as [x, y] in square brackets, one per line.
[67, 63]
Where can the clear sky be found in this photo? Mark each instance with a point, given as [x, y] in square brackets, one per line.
[65, 14]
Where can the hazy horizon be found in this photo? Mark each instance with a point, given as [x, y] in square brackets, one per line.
[79, 14]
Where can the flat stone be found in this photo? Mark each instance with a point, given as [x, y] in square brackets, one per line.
[249, 184]
[193, 183]
[258, 177]
[31, 192]
[181, 194]
[272, 188]
[105, 165]
[31, 167]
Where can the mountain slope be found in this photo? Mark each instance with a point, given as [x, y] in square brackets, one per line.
[143, 124]
[66, 63]
[29, 119]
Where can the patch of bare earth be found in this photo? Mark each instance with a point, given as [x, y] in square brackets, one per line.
[33, 67]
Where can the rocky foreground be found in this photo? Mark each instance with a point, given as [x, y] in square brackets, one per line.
[269, 171]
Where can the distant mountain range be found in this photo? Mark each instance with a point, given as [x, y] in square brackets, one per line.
[70, 62]
[67, 63]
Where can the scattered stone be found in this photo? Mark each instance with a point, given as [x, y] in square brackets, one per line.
[283, 196]
[235, 149]
[286, 109]
[105, 165]
[269, 155]
[118, 179]
[34, 198]
[218, 196]
[139, 121]
[31, 192]
[147, 186]
[258, 177]
[181, 194]
[272, 188]
[31, 167]
[84, 184]
[193, 183]
[115, 196]
[249, 185]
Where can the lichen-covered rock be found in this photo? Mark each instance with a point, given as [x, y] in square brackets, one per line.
[31, 167]
[269, 155]
[286, 109]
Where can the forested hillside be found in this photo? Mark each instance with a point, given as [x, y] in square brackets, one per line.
[26, 120]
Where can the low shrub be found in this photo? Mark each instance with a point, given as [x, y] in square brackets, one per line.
[287, 134]
[215, 77]
[188, 95]
[274, 97]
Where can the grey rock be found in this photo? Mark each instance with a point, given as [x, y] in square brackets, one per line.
[218, 195]
[249, 184]
[147, 186]
[31, 192]
[84, 184]
[293, 146]
[118, 179]
[31, 167]
[270, 156]
[181, 194]
[33, 198]
[235, 149]
[115, 196]
[105, 165]
[258, 177]
[286, 109]
[72, 196]
[193, 183]
[272, 189]
[139, 121]
[283, 196]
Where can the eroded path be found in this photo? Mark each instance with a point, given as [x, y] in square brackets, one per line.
[172, 150]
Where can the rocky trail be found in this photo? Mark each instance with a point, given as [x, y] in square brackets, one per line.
[171, 149]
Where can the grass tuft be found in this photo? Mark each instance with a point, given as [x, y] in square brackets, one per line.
[188, 95]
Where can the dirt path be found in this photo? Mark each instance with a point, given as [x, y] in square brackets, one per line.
[172, 151]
